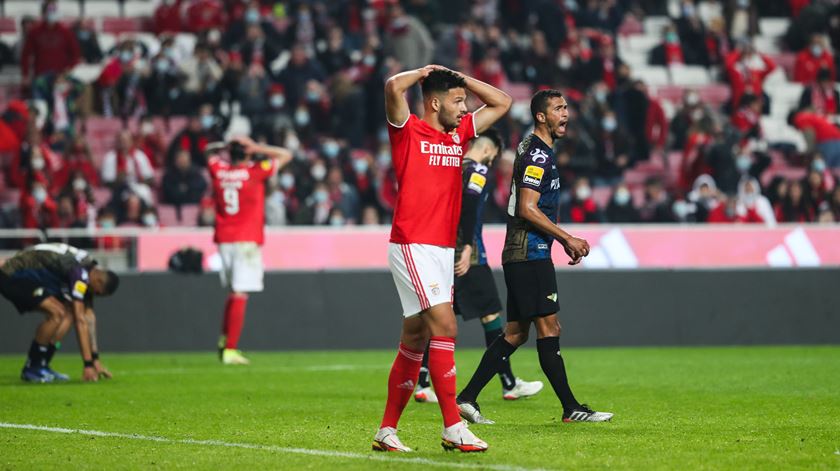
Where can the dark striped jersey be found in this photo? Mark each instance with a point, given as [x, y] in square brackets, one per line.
[62, 270]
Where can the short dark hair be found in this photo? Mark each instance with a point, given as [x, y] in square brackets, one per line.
[441, 81]
[494, 137]
[237, 152]
[112, 282]
[539, 102]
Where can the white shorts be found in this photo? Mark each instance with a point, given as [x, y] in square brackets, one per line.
[242, 267]
[424, 275]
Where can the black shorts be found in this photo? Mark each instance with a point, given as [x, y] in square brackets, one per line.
[25, 293]
[532, 290]
[476, 294]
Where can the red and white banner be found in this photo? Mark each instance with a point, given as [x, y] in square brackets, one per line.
[707, 246]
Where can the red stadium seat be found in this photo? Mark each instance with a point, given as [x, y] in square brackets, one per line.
[115, 25]
[101, 196]
[601, 195]
[8, 25]
[168, 215]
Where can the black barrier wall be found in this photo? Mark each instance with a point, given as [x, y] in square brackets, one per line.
[360, 310]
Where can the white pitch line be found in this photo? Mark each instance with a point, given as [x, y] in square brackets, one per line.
[388, 458]
[267, 369]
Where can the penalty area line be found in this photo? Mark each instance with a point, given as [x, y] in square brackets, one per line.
[372, 456]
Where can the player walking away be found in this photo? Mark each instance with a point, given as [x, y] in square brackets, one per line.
[475, 289]
[239, 194]
[427, 157]
[59, 281]
[526, 260]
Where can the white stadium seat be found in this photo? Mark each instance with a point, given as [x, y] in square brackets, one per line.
[652, 76]
[689, 75]
[767, 44]
[87, 72]
[773, 27]
[654, 24]
[643, 43]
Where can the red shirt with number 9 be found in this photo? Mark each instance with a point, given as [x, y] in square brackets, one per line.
[239, 196]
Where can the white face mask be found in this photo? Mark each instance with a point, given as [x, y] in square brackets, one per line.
[302, 117]
[583, 193]
[40, 194]
[149, 219]
[147, 128]
[287, 181]
[79, 184]
[319, 172]
[622, 196]
[37, 163]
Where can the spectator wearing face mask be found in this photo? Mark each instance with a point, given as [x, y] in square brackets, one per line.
[821, 96]
[126, 164]
[35, 159]
[750, 200]
[163, 84]
[77, 207]
[810, 60]
[705, 197]
[202, 129]
[77, 161]
[620, 209]
[183, 183]
[203, 75]
[746, 70]
[670, 51]
[49, 47]
[251, 15]
[582, 207]
[88, 41]
[343, 196]
[37, 208]
[613, 148]
[818, 183]
[316, 208]
[657, 205]
[729, 164]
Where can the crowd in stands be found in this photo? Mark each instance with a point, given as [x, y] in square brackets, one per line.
[309, 75]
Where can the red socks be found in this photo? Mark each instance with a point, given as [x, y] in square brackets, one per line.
[401, 382]
[234, 318]
[442, 371]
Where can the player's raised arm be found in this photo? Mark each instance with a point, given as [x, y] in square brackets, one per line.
[496, 103]
[280, 155]
[396, 106]
[529, 210]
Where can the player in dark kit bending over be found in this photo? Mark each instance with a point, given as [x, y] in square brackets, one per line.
[60, 281]
[526, 259]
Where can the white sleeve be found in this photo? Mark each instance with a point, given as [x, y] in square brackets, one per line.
[146, 170]
[109, 167]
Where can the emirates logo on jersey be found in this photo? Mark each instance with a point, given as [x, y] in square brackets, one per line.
[442, 155]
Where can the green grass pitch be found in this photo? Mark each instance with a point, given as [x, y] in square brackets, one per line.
[676, 408]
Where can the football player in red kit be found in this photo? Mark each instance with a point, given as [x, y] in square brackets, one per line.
[427, 155]
[239, 196]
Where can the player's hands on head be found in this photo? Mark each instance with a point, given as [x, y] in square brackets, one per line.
[425, 71]
[462, 266]
[246, 142]
[90, 375]
[576, 249]
[101, 371]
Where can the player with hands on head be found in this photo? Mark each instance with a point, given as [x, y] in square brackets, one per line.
[427, 155]
[526, 259]
[239, 196]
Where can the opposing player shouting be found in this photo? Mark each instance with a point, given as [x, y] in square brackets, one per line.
[427, 156]
[239, 194]
[475, 288]
[529, 272]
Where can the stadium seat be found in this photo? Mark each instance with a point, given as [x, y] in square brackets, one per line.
[643, 43]
[8, 25]
[148, 39]
[689, 75]
[9, 39]
[652, 76]
[10, 196]
[115, 25]
[785, 60]
[654, 24]
[784, 97]
[168, 215]
[19, 8]
[87, 73]
[766, 44]
[773, 27]
[601, 195]
[101, 197]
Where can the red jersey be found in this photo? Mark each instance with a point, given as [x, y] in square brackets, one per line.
[428, 168]
[239, 196]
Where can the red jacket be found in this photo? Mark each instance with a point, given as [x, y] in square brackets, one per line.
[49, 48]
[823, 130]
[746, 120]
[167, 18]
[72, 165]
[656, 124]
[743, 79]
[205, 14]
[806, 67]
[33, 215]
[719, 216]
